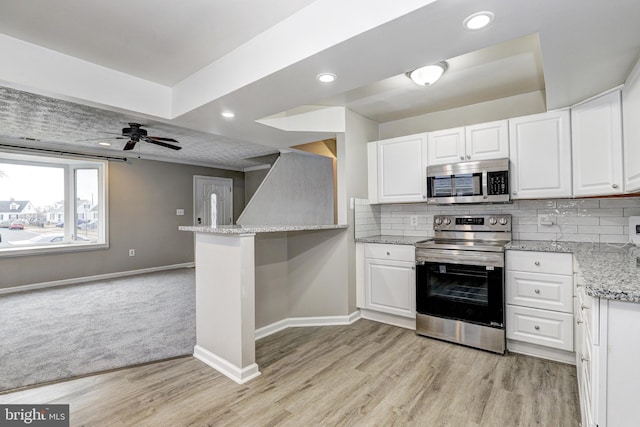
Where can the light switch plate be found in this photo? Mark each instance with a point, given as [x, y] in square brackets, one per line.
[634, 230]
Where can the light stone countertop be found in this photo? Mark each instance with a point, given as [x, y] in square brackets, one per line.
[606, 271]
[253, 229]
[392, 240]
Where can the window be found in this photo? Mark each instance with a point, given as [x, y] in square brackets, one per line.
[50, 204]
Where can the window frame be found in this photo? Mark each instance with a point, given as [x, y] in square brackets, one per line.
[70, 166]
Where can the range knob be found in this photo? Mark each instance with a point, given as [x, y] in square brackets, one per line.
[447, 221]
[438, 221]
[493, 221]
[503, 221]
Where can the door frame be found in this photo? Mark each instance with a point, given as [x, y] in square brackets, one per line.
[229, 180]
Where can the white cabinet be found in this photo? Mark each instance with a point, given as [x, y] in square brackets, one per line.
[631, 130]
[390, 279]
[540, 153]
[477, 142]
[607, 348]
[596, 132]
[539, 304]
[397, 169]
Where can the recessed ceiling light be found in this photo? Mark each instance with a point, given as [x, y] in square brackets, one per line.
[326, 77]
[428, 75]
[227, 114]
[478, 20]
[106, 144]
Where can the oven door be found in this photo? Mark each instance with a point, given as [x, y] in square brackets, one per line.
[461, 285]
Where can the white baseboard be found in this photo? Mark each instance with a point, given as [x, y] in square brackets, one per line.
[78, 280]
[226, 368]
[293, 322]
[542, 352]
[390, 319]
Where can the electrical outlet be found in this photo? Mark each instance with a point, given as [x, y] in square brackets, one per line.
[132, 252]
[179, 211]
[414, 219]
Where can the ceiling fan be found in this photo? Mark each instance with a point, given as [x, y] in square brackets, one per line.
[135, 133]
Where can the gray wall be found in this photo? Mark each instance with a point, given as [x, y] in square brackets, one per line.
[252, 181]
[297, 191]
[143, 198]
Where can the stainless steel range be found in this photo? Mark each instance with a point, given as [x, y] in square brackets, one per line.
[460, 280]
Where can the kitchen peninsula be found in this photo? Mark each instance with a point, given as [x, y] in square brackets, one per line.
[235, 263]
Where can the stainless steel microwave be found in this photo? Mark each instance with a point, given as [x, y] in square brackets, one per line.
[483, 181]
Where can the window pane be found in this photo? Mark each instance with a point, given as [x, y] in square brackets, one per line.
[31, 205]
[87, 207]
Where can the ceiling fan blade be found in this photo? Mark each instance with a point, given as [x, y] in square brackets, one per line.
[129, 145]
[100, 139]
[157, 138]
[160, 143]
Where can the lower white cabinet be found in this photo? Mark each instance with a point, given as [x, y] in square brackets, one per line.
[539, 304]
[607, 349]
[390, 279]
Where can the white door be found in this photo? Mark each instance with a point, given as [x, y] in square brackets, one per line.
[446, 146]
[596, 132]
[402, 169]
[540, 152]
[487, 141]
[212, 201]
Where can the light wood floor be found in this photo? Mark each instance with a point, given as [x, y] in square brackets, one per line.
[365, 374]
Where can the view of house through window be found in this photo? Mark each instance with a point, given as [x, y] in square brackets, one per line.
[50, 203]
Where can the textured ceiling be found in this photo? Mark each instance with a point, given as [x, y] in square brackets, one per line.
[68, 125]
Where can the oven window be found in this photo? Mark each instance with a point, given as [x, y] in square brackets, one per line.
[465, 292]
[461, 283]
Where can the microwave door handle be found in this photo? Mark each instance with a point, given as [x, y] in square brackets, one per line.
[485, 190]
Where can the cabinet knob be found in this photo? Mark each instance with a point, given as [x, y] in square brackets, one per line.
[584, 307]
[579, 322]
[584, 359]
[388, 253]
[614, 185]
[461, 157]
[413, 267]
[537, 328]
[537, 263]
[537, 291]
[515, 193]
[468, 156]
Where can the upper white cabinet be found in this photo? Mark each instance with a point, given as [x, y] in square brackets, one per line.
[540, 152]
[477, 142]
[400, 170]
[631, 129]
[596, 132]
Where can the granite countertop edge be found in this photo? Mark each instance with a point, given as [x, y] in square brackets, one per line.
[606, 271]
[253, 229]
[391, 240]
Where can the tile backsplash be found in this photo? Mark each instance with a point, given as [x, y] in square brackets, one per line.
[603, 220]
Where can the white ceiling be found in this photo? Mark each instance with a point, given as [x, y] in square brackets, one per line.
[177, 65]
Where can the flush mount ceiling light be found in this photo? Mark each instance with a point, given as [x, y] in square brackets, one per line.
[428, 75]
[326, 77]
[228, 114]
[478, 20]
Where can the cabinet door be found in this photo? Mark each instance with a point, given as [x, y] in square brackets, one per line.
[446, 146]
[540, 153]
[402, 169]
[487, 141]
[390, 286]
[631, 129]
[596, 132]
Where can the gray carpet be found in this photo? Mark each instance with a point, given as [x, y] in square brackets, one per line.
[63, 332]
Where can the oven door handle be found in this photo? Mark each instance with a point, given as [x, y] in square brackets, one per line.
[489, 259]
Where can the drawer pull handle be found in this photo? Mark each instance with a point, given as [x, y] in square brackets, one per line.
[584, 307]
[537, 291]
[388, 253]
[584, 359]
[537, 328]
[537, 263]
[579, 322]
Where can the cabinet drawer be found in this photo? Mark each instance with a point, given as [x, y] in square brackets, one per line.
[545, 291]
[542, 327]
[391, 252]
[540, 262]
